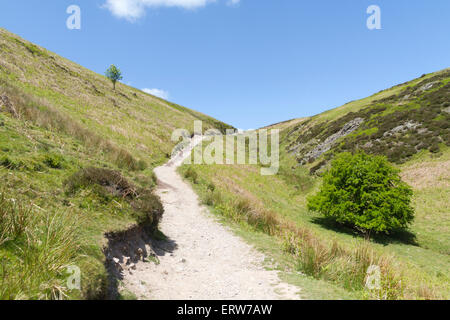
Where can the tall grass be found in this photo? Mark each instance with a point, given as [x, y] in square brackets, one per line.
[14, 218]
[323, 259]
[35, 249]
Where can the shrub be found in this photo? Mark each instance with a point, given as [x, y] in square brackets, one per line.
[8, 163]
[434, 148]
[54, 161]
[213, 198]
[147, 207]
[192, 175]
[111, 180]
[211, 187]
[365, 192]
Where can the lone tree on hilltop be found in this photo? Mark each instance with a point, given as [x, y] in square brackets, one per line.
[365, 192]
[114, 74]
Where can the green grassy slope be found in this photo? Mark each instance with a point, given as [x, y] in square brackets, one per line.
[136, 121]
[57, 119]
[274, 207]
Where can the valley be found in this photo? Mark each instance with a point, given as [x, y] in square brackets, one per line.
[83, 165]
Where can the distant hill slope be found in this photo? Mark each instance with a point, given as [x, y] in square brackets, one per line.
[398, 122]
[76, 163]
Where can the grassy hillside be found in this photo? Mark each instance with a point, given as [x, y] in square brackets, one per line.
[138, 122]
[398, 122]
[271, 212]
[76, 161]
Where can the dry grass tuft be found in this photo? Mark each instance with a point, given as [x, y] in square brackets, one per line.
[428, 175]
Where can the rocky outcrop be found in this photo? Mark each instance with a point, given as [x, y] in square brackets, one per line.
[427, 86]
[408, 125]
[325, 146]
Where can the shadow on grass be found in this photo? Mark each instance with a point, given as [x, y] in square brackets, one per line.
[397, 236]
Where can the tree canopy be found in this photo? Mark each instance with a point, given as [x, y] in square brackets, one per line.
[365, 192]
[114, 74]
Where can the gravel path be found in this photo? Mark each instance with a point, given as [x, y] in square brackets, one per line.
[201, 259]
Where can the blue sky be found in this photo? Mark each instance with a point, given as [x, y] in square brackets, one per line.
[249, 63]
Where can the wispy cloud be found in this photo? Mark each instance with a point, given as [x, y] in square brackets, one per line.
[233, 3]
[157, 92]
[132, 10]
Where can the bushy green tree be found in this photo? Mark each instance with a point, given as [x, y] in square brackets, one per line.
[365, 192]
[114, 74]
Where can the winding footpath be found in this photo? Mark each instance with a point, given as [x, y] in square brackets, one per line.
[201, 259]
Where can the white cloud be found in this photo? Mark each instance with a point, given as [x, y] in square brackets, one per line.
[157, 92]
[135, 9]
[233, 3]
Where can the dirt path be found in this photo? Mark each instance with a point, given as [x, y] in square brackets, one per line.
[201, 259]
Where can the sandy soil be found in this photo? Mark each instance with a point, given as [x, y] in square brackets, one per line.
[201, 259]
